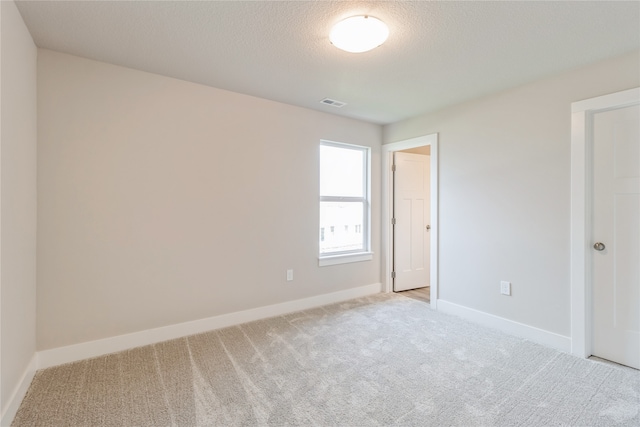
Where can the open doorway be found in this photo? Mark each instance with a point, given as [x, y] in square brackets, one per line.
[425, 219]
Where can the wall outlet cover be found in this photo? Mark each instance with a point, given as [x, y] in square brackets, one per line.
[505, 288]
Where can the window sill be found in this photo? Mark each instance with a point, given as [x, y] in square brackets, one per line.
[345, 259]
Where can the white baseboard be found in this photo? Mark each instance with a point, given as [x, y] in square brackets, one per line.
[540, 336]
[86, 350]
[10, 410]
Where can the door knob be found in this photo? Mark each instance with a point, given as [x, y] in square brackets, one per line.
[428, 227]
[599, 246]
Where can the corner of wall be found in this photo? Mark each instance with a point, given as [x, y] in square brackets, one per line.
[18, 145]
[13, 403]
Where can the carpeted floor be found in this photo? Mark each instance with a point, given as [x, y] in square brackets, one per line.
[380, 360]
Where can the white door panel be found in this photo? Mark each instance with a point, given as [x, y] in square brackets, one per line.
[411, 212]
[616, 224]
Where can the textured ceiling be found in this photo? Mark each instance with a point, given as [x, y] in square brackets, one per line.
[437, 54]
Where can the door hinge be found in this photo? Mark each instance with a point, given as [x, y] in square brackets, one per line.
[393, 168]
[393, 221]
[393, 274]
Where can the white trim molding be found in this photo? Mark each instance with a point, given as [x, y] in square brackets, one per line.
[540, 336]
[345, 258]
[387, 210]
[581, 171]
[13, 404]
[72, 353]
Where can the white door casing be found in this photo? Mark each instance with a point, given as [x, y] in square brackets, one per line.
[412, 214]
[615, 257]
[582, 238]
[387, 210]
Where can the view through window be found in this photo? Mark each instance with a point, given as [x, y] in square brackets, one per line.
[344, 204]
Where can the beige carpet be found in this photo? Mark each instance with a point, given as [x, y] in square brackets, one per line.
[381, 360]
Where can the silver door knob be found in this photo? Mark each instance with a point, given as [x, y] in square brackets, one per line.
[428, 227]
[598, 246]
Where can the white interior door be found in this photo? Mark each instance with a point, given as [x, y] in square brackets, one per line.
[616, 234]
[412, 215]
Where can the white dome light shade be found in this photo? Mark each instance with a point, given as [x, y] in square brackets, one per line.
[359, 34]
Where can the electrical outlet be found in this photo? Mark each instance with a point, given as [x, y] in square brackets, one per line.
[289, 275]
[505, 288]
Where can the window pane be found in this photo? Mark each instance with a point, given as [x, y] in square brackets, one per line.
[341, 172]
[342, 223]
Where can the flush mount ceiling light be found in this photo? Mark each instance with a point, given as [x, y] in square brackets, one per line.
[359, 34]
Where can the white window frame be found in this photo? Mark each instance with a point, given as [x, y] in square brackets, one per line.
[357, 255]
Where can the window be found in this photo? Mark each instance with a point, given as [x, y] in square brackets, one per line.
[344, 203]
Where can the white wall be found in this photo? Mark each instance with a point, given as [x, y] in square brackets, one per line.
[163, 201]
[504, 192]
[18, 136]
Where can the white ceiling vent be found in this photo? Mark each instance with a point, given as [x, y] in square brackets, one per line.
[333, 102]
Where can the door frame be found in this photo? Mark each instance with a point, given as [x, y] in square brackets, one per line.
[387, 210]
[581, 188]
